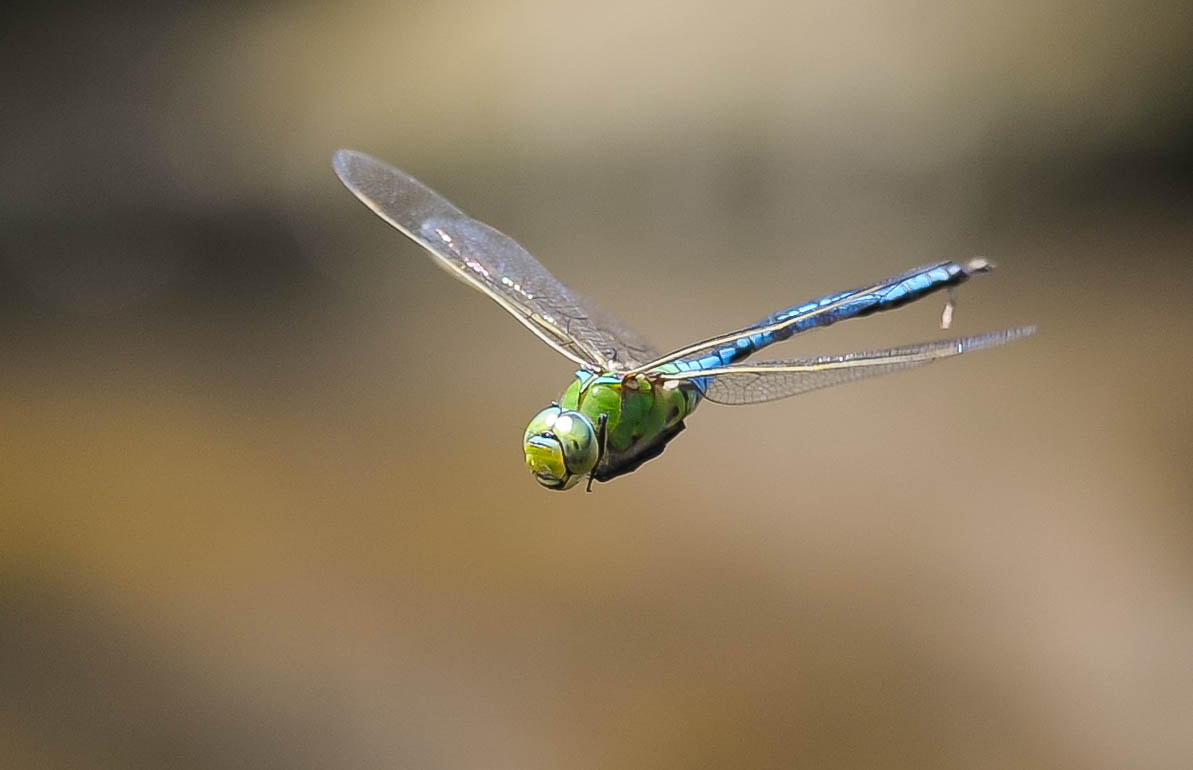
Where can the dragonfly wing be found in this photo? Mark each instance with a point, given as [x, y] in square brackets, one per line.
[493, 262]
[624, 347]
[771, 380]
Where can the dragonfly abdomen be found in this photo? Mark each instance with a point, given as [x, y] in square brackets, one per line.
[887, 295]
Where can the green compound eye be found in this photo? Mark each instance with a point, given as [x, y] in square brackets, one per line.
[560, 447]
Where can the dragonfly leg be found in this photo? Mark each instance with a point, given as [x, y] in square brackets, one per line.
[602, 437]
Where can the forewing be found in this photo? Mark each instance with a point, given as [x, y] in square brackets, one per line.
[771, 380]
[624, 347]
[493, 262]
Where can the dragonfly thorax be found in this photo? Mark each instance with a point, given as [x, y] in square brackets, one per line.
[561, 447]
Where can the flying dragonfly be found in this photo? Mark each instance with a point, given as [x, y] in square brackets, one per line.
[628, 400]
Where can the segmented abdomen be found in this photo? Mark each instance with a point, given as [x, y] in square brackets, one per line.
[887, 295]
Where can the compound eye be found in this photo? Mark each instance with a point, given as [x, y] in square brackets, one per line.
[578, 440]
[543, 422]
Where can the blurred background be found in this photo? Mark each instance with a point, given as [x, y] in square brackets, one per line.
[262, 496]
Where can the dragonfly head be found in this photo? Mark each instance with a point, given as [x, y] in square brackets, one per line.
[561, 447]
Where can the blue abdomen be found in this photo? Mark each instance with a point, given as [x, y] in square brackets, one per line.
[886, 295]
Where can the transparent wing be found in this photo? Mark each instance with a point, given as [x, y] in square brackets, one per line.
[625, 348]
[770, 380]
[494, 263]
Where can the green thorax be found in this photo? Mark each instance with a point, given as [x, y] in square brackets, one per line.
[639, 411]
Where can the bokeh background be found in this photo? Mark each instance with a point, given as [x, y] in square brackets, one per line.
[262, 499]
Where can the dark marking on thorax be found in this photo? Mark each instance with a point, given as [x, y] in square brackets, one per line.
[616, 463]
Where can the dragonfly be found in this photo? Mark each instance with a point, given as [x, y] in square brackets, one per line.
[628, 400]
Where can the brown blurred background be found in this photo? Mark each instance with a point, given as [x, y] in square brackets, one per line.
[262, 499]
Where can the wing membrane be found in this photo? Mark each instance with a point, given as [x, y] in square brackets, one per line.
[771, 380]
[494, 263]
